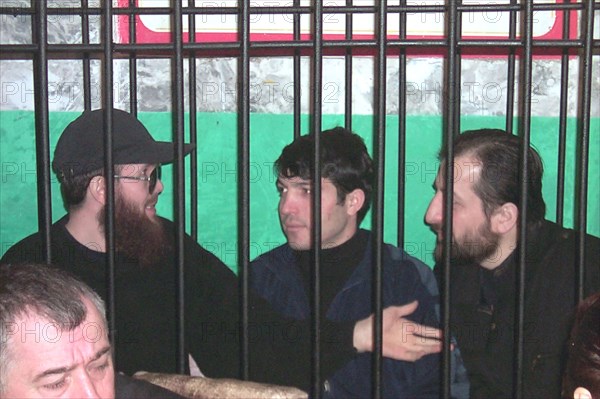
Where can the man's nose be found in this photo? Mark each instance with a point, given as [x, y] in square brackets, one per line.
[84, 387]
[287, 204]
[434, 213]
[159, 187]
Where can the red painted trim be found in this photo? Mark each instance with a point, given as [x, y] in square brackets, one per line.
[146, 35]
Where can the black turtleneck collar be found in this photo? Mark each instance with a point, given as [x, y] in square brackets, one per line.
[337, 264]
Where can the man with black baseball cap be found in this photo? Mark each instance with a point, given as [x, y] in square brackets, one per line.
[79, 164]
[145, 283]
[80, 148]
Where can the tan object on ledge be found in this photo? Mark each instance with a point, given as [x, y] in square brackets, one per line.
[211, 388]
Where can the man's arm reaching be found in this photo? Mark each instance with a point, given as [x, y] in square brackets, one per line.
[402, 338]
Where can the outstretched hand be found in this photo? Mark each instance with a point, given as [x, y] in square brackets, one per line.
[402, 338]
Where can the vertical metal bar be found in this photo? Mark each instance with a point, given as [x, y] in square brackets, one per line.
[85, 39]
[510, 73]
[401, 130]
[457, 108]
[132, 62]
[584, 142]
[42, 136]
[244, 176]
[378, 217]
[297, 75]
[179, 199]
[132, 23]
[107, 81]
[562, 125]
[526, 62]
[317, 75]
[193, 128]
[453, 95]
[348, 72]
[458, 77]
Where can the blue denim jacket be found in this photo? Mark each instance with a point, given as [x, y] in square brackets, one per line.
[276, 278]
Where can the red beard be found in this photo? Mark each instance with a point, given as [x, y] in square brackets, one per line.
[136, 235]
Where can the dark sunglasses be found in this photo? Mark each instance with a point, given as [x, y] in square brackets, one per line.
[152, 179]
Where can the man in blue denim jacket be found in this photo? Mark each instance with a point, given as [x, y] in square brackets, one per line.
[283, 276]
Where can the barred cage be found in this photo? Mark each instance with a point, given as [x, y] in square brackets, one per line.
[388, 61]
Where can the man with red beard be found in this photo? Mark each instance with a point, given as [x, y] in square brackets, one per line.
[145, 270]
[484, 267]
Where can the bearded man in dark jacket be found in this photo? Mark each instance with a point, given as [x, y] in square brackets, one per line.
[485, 265]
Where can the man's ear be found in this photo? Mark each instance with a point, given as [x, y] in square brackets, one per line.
[354, 201]
[97, 189]
[505, 218]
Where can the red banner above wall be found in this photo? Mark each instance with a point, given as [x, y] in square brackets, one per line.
[217, 21]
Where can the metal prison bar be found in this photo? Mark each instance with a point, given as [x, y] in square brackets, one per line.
[316, 45]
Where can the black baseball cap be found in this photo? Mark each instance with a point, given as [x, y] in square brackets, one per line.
[80, 148]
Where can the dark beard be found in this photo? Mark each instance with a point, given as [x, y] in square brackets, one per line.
[136, 236]
[476, 248]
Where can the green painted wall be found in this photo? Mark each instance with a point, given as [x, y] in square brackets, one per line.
[217, 166]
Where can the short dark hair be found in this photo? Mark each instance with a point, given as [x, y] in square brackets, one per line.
[43, 290]
[344, 160]
[73, 188]
[498, 151]
[583, 363]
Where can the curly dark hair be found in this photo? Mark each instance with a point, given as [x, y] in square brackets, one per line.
[344, 160]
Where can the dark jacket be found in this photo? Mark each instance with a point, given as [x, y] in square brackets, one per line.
[483, 313]
[275, 276]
